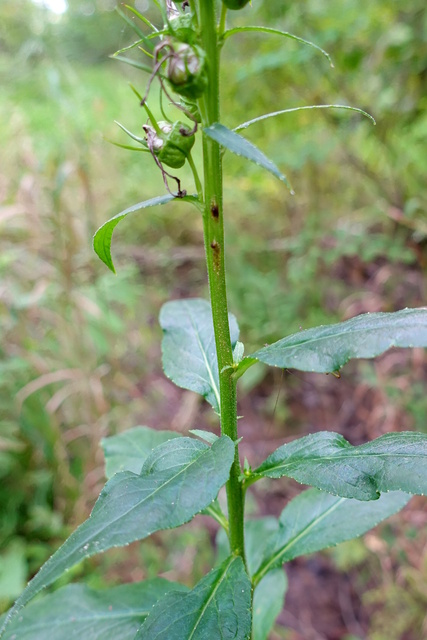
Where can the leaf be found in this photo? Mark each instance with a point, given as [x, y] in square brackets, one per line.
[77, 612]
[179, 479]
[127, 451]
[133, 25]
[247, 124]
[392, 462]
[188, 347]
[269, 597]
[277, 32]
[218, 607]
[207, 436]
[315, 520]
[214, 511]
[242, 147]
[133, 63]
[326, 349]
[270, 592]
[102, 238]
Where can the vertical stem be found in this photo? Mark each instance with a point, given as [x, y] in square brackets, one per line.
[213, 225]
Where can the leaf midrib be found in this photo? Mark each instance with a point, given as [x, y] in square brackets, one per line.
[340, 457]
[338, 334]
[276, 557]
[208, 601]
[111, 522]
[208, 367]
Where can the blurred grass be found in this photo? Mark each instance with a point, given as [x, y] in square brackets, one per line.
[80, 354]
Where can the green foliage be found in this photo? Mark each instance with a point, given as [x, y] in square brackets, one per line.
[325, 460]
[175, 483]
[241, 147]
[128, 451]
[108, 614]
[220, 603]
[189, 354]
[156, 480]
[327, 349]
[315, 520]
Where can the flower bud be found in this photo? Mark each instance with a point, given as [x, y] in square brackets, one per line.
[235, 5]
[187, 70]
[173, 145]
[182, 27]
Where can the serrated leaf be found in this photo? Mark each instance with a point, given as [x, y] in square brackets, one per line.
[218, 607]
[394, 461]
[179, 479]
[315, 520]
[77, 612]
[269, 598]
[188, 347]
[128, 451]
[327, 348]
[103, 236]
[241, 147]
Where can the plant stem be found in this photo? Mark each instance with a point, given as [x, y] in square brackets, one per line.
[213, 226]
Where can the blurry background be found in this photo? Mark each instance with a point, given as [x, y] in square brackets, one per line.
[80, 347]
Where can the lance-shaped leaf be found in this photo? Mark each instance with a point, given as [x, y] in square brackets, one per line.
[273, 114]
[269, 598]
[392, 462]
[127, 451]
[327, 348]
[276, 32]
[241, 147]
[219, 606]
[315, 520]
[188, 347]
[77, 612]
[102, 238]
[179, 479]
[269, 594]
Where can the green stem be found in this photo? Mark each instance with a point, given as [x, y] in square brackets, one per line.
[213, 226]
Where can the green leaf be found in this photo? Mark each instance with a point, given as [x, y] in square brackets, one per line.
[395, 461]
[133, 63]
[219, 606]
[247, 124]
[277, 32]
[242, 147]
[127, 451]
[133, 25]
[77, 612]
[207, 436]
[269, 597]
[326, 349]
[315, 520]
[270, 592]
[179, 479]
[102, 238]
[188, 347]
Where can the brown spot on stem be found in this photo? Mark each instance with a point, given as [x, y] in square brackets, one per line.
[216, 255]
[214, 210]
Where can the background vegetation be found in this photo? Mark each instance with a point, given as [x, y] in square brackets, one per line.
[79, 351]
